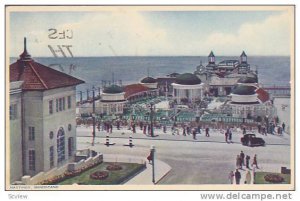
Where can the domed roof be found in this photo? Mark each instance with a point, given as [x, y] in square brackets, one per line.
[247, 80]
[148, 80]
[187, 79]
[113, 89]
[244, 90]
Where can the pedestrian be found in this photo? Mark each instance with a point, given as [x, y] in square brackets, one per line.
[230, 177]
[98, 126]
[254, 163]
[248, 177]
[118, 125]
[145, 129]
[149, 129]
[183, 131]
[259, 127]
[244, 130]
[194, 133]
[237, 176]
[165, 129]
[110, 128]
[242, 156]
[199, 129]
[226, 136]
[188, 130]
[173, 130]
[207, 132]
[238, 161]
[230, 136]
[133, 128]
[141, 125]
[247, 161]
[283, 127]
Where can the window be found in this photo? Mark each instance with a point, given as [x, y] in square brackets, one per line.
[64, 103]
[51, 135]
[60, 104]
[51, 156]
[70, 146]
[69, 127]
[13, 111]
[31, 156]
[31, 133]
[56, 105]
[60, 145]
[69, 102]
[51, 107]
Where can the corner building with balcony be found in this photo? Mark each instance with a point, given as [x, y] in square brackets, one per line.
[42, 117]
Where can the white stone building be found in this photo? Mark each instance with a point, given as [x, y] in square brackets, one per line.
[112, 100]
[44, 110]
[248, 100]
[187, 88]
[15, 134]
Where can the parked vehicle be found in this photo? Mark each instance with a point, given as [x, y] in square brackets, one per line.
[251, 140]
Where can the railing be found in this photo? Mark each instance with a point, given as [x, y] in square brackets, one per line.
[276, 90]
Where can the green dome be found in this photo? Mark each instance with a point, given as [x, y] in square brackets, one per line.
[113, 89]
[244, 90]
[148, 80]
[187, 79]
[247, 80]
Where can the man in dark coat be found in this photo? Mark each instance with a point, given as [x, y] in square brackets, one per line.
[237, 176]
[283, 126]
[242, 156]
[207, 132]
[247, 161]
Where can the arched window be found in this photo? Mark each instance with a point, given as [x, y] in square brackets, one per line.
[60, 145]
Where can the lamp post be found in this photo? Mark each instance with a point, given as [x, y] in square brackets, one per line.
[94, 117]
[152, 151]
[151, 118]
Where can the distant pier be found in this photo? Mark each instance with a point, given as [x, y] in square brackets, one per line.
[278, 91]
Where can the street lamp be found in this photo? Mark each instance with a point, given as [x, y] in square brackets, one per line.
[151, 118]
[152, 151]
[94, 117]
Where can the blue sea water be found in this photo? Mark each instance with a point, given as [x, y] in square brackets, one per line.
[273, 70]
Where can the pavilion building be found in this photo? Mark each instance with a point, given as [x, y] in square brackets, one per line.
[248, 100]
[187, 89]
[112, 100]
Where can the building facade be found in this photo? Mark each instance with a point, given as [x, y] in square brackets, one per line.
[47, 115]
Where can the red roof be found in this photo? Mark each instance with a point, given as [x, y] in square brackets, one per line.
[262, 95]
[133, 89]
[36, 76]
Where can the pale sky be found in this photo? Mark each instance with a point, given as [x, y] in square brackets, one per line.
[154, 33]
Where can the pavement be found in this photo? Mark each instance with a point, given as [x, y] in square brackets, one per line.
[263, 167]
[145, 177]
[182, 160]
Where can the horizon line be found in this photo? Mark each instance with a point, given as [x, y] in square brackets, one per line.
[84, 56]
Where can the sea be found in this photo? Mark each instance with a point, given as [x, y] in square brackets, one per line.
[272, 70]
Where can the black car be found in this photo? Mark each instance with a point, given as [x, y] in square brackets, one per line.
[251, 140]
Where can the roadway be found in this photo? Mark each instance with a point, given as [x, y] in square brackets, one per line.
[207, 160]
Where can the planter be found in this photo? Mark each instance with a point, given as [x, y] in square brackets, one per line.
[113, 167]
[274, 178]
[99, 175]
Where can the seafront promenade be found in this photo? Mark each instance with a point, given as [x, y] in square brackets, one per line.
[208, 160]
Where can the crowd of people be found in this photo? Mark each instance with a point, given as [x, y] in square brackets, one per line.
[243, 160]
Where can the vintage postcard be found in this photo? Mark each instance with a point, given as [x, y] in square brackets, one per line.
[150, 97]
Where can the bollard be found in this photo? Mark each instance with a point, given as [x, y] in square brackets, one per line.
[107, 140]
[130, 141]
